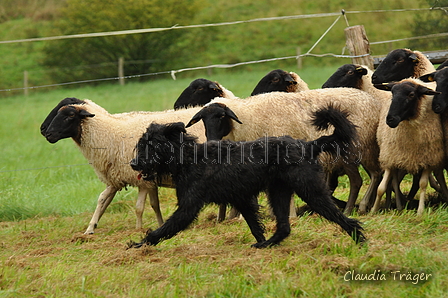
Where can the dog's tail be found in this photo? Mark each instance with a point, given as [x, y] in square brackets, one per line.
[344, 135]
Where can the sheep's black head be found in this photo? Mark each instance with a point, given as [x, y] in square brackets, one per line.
[440, 101]
[159, 150]
[198, 93]
[217, 118]
[348, 75]
[67, 124]
[275, 80]
[399, 64]
[406, 100]
[52, 114]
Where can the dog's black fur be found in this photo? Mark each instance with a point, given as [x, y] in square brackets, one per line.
[236, 172]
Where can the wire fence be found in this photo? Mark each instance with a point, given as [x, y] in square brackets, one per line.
[206, 67]
[174, 72]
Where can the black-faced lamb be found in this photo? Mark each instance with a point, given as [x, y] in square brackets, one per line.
[200, 92]
[400, 64]
[280, 80]
[107, 141]
[360, 77]
[280, 113]
[410, 136]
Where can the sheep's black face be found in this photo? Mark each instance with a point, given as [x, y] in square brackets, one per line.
[217, 118]
[276, 80]
[53, 113]
[406, 101]
[67, 124]
[440, 101]
[198, 93]
[348, 75]
[398, 65]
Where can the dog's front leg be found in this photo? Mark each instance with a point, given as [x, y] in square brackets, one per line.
[185, 214]
[249, 210]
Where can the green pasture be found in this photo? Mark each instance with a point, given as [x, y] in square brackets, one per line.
[48, 193]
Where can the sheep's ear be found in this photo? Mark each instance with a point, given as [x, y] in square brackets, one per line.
[85, 114]
[173, 130]
[384, 86]
[427, 91]
[232, 115]
[428, 77]
[414, 58]
[196, 118]
[361, 70]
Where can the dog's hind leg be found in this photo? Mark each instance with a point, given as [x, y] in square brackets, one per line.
[314, 192]
[279, 196]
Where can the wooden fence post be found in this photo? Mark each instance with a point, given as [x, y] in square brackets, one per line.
[299, 59]
[121, 71]
[25, 83]
[358, 44]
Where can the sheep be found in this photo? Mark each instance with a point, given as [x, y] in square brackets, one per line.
[280, 113]
[440, 102]
[359, 77]
[200, 92]
[280, 80]
[400, 64]
[443, 65]
[107, 141]
[409, 135]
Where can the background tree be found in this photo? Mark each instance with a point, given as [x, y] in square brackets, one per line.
[431, 22]
[93, 58]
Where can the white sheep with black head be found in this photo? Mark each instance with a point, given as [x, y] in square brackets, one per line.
[410, 136]
[107, 141]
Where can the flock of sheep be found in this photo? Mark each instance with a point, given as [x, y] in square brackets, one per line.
[399, 111]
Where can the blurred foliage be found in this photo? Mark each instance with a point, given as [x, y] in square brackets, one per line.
[434, 21]
[53, 62]
[34, 9]
[94, 58]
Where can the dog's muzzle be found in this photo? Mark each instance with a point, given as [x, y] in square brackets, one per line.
[139, 167]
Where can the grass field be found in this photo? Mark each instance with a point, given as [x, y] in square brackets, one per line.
[48, 194]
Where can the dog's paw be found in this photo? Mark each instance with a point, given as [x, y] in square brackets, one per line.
[132, 244]
[260, 244]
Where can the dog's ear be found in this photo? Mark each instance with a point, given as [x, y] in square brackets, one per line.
[173, 130]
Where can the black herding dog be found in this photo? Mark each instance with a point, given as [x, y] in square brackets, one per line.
[236, 172]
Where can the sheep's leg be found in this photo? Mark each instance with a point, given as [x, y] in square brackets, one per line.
[221, 212]
[396, 186]
[155, 204]
[370, 195]
[103, 202]
[140, 207]
[435, 183]
[355, 185]
[423, 185]
[233, 213]
[441, 180]
[414, 187]
[292, 207]
[381, 190]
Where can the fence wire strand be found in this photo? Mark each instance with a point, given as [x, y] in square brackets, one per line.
[173, 72]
